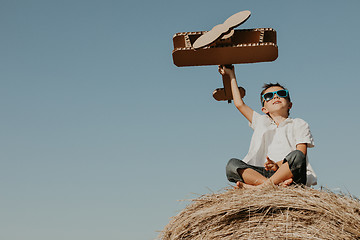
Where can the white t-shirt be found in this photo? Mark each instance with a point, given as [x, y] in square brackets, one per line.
[277, 142]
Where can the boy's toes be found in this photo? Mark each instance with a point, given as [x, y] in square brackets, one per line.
[287, 182]
[239, 185]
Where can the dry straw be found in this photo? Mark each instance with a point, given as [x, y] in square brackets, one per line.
[269, 213]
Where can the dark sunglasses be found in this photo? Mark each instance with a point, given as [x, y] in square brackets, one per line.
[270, 95]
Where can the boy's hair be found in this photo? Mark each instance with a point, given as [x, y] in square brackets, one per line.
[269, 85]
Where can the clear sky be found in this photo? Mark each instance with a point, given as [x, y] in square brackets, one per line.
[101, 134]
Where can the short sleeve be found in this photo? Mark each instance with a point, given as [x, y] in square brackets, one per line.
[255, 119]
[302, 133]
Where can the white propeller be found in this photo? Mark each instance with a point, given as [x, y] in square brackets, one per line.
[218, 31]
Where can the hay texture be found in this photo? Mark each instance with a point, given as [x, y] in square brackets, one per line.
[269, 213]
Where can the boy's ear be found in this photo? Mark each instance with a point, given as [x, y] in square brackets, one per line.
[264, 110]
[290, 105]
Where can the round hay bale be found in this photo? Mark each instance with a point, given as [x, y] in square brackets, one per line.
[269, 213]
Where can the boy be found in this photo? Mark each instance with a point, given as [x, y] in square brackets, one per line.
[278, 148]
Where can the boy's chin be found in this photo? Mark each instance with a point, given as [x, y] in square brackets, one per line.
[279, 111]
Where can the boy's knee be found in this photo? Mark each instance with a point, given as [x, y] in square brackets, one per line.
[231, 166]
[297, 154]
[232, 162]
[297, 164]
[231, 169]
[296, 157]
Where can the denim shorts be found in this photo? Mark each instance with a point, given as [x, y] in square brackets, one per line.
[296, 160]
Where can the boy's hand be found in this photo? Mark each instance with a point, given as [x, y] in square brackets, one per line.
[227, 70]
[270, 165]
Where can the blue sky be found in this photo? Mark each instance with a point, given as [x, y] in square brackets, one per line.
[101, 134]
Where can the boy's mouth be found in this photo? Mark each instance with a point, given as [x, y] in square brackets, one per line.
[277, 102]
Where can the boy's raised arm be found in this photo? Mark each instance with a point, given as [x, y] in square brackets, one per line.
[238, 102]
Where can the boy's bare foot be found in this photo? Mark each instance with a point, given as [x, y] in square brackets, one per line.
[243, 185]
[239, 184]
[287, 182]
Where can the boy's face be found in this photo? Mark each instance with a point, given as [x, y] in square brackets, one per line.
[277, 105]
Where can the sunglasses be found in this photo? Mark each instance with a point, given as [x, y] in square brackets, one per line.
[270, 95]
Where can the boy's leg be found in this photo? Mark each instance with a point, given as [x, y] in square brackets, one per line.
[238, 171]
[282, 174]
[252, 177]
[293, 167]
[297, 164]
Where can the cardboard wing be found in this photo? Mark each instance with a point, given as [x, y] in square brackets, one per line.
[244, 46]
